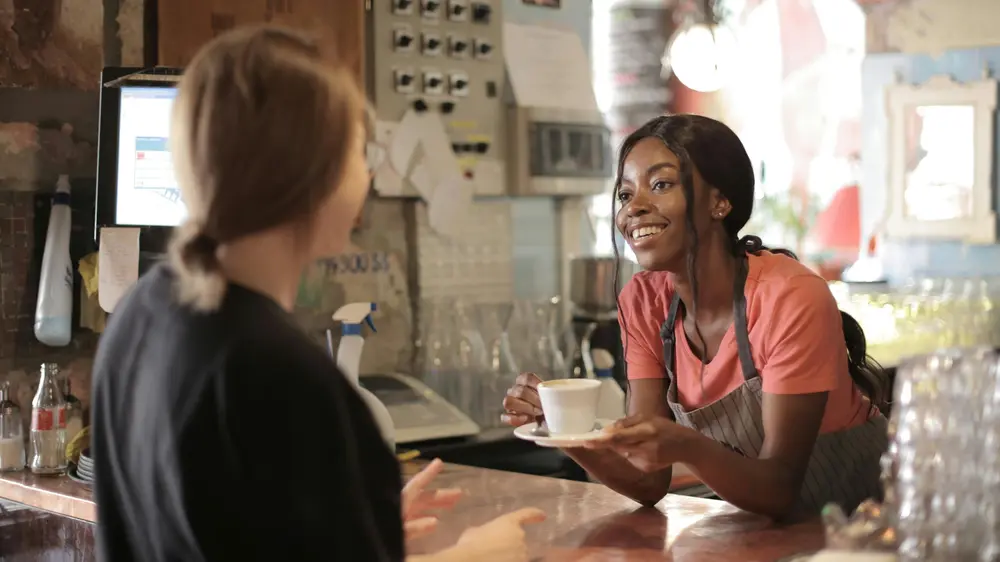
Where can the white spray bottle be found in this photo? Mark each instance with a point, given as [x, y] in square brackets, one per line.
[54, 308]
[349, 361]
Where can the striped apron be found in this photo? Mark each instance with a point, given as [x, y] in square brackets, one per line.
[844, 467]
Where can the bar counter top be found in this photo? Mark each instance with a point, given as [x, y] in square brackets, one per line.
[57, 494]
[589, 522]
[585, 521]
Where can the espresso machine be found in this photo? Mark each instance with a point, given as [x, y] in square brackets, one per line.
[594, 285]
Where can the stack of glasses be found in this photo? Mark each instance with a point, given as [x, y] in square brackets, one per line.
[944, 457]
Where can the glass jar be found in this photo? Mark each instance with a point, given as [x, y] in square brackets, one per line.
[12, 455]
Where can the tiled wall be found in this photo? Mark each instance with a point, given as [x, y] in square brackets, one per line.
[913, 41]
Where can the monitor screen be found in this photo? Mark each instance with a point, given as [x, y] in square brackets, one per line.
[147, 191]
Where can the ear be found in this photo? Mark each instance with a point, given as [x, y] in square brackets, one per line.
[720, 206]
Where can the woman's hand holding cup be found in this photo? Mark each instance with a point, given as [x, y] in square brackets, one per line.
[521, 405]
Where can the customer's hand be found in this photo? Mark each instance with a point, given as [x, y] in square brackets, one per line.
[500, 540]
[419, 503]
[650, 443]
[521, 405]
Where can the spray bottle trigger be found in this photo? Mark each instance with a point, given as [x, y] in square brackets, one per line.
[368, 320]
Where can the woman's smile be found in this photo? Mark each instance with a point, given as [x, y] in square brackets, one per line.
[645, 236]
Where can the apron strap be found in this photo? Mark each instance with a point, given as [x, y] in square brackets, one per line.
[739, 325]
[667, 335]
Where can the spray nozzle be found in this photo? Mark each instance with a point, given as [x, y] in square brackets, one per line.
[353, 314]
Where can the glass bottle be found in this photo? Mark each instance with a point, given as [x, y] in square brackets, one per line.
[74, 411]
[11, 432]
[48, 424]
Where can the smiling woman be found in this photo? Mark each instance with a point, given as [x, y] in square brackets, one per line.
[740, 365]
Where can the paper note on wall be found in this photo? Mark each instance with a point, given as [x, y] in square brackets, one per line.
[548, 67]
[449, 206]
[422, 180]
[421, 137]
[438, 153]
[387, 181]
[117, 265]
[405, 138]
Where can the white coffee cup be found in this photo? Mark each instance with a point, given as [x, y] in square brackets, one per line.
[570, 405]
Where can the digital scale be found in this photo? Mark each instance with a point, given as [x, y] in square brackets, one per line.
[419, 413]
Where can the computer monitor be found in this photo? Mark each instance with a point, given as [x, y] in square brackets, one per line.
[136, 184]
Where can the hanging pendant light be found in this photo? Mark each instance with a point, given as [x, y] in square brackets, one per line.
[702, 54]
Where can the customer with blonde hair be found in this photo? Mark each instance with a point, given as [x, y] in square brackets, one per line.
[221, 431]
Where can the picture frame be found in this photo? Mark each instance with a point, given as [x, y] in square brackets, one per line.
[932, 197]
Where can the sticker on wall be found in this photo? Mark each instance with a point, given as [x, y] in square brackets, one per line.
[388, 182]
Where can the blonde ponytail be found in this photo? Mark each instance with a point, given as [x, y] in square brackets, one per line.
[254, 109]
[194, 259]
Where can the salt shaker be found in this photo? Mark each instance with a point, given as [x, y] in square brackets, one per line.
[12, 455]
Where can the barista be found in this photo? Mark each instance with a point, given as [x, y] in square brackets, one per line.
[740, 365]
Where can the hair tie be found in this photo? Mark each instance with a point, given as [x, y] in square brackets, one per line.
[750, 244]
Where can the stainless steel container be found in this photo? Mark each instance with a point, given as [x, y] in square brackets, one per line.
[592, 282]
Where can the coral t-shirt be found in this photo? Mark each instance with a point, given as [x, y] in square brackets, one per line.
[796, 340]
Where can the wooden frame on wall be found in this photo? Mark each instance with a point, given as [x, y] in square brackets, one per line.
[980, 226]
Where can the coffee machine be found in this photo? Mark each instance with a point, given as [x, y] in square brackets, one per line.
[594, 285]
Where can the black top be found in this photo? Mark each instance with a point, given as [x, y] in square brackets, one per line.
[232, 436]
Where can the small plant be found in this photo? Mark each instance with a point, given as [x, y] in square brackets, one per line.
[784, 218]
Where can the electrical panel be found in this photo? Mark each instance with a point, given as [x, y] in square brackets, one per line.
[445, 57]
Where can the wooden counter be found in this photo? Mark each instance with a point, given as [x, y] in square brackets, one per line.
[57, 494]
[585, 521]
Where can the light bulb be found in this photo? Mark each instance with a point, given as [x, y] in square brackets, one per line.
[702, 56]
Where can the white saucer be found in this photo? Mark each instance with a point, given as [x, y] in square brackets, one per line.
[565, 441]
